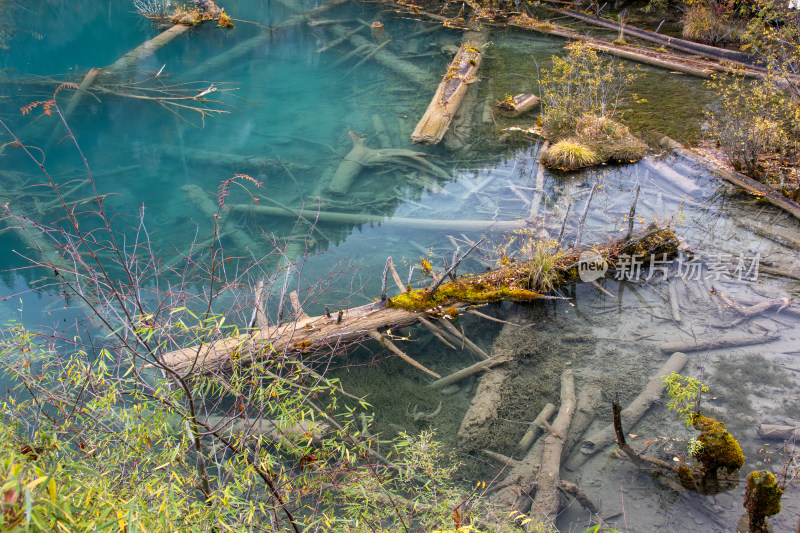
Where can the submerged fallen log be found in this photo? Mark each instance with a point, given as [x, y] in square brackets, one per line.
[716, 343]
[450, 92]
[772, 431]
[405, 69]
[127, 62]
[638, 407]
[357, 218]
[483, 409]
[361, 156]
[205, 158]
[326, 333]
[532, 483]
[740, 180]
[229, 58]
[292, 435]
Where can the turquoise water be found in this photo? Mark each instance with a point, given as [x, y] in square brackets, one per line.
[295, 107]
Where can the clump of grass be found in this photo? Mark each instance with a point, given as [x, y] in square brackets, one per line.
[600, 128]
[541, 257]
[570, 154]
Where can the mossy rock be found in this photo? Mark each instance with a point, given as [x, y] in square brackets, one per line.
[720, 449]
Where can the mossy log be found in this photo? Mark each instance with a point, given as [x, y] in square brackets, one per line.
[740, 180]
[450, 92]
[323, 333]
[361, 157]
[631, 414]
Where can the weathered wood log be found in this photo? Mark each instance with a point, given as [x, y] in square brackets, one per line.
[588, 399]
[234, 162]
[772, 431]
[361, 157]
[534, 471]
[518, 104]
[322, 332]
[357, 218]
[209, 209]
[483, 409]
[740, 180]
[72, 104]
[638, 407]
[683, 183]
[690, 47]
[140, 53]
[536, 427]
[464, 373]
[405, 69]
[716, 343]
[545, 504]
[450, 92]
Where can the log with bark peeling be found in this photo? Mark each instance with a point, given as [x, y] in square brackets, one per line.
[309, 334]
[450, 92]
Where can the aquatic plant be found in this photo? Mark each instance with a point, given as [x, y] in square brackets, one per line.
[570, 154]
[158, 9]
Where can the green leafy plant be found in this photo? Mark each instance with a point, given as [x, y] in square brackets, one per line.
[684, 395]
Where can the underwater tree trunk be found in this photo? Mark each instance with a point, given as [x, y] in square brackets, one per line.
[450, 92]
[361, 157]
[141, 52]
[358, 218]
[631, 414]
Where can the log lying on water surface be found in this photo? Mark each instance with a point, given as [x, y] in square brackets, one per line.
[518, 104]
[450, 92]
[327, 333]
[631, 414]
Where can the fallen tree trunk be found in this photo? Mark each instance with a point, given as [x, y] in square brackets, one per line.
[631, 415]
[771, 431]
[404, 68]
[690, 47]
[329, 333]
[361, 157]
[205, 158]
[544, 508]
[538, 470]
[740, 180]
[294, 435]
[228, 58]
[477, 368]
[450, 92]
[141, 52]
[357, 218]
[483, 409]
[716, 343]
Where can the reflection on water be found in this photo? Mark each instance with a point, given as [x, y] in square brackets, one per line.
[288, 127]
